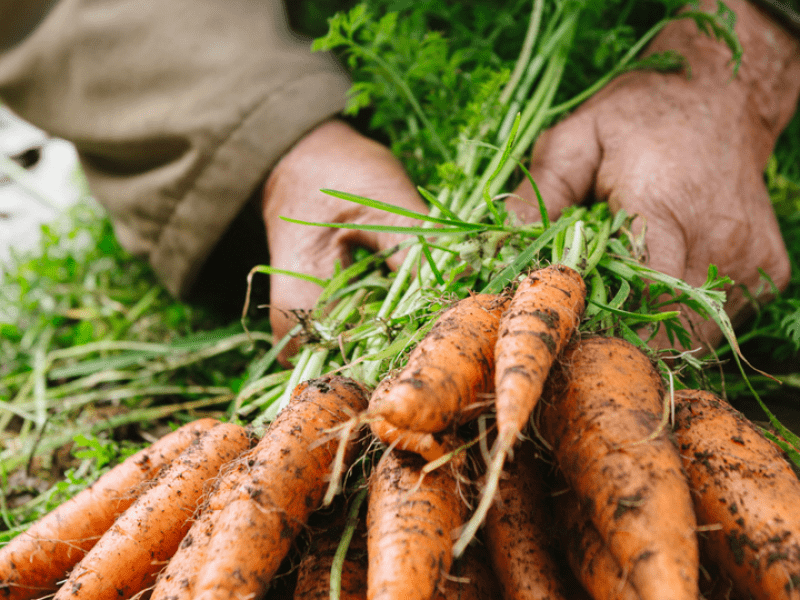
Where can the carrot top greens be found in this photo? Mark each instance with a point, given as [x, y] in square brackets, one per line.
[465, 161]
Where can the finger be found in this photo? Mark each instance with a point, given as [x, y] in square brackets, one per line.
[754, 247]
[564, 164]
[665, 250]
[304, 250]
[400, 192]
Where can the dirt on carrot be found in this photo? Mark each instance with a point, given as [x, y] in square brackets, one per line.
[453, 364]
[517, 534]
[314, 572]
[747, 492]
[285, 484]
[178, 579]
[145, 536]
[542, 317]
[588, 556]
[428, 445]
[33, 563]
[410, 523]
[601, 417]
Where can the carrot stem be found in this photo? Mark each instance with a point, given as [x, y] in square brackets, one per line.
[344, 544]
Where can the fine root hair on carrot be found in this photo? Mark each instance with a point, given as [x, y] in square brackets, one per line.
[150, 531]
[285, 484]
[454, 364]
[428, 445]
[542, 317]
[345, 435]
[603, 395]
[32, 564]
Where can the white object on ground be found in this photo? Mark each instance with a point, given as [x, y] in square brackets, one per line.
[38, 181]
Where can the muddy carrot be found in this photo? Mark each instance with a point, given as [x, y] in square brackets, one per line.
[745, 491]
[128, 556]
[285, 484]
[602, 422]
[34, 561]
[449, 370]
[516, 533]
[543, 315]
[541, 318]
[410, 523]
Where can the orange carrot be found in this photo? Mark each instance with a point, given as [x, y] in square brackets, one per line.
[178, 579]
[285, 484]
[516, 533]
[543, 315]
[447, 372]
[428, 445]
[471, 578]
[587, 555]
[410, 521]
[127, 558]
[741, 483]
[602, 422]
[314, 572]
[34, 561]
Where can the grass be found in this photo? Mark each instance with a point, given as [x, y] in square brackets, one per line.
[97, 357]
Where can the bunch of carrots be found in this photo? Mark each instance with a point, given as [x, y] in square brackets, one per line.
[517, 460]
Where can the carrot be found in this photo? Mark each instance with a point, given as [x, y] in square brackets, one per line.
[516, 533]
[314, 572]
[446, 373]
[35, 560]
[410, 521]
[178, 579]
[602, 423]
[428, 445]
[543, 315]
[128, 556]
[285, 484]
[587, 554]
[741, 482]
[471, 578]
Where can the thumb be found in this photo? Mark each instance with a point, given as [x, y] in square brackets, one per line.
[564, 163]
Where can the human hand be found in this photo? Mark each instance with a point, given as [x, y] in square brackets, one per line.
[687, 155]
[332, 156]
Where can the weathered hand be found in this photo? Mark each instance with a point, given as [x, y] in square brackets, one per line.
[687, 155]
[332, 156]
